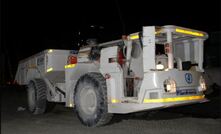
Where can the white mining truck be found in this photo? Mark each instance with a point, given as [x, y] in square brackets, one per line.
[156, 68]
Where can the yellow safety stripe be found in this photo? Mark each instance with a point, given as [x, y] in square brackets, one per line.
[50, 50]
[69, 66]
[49, 69]
[189, 32]
[175, 99]
[133, 37]
[115, 101]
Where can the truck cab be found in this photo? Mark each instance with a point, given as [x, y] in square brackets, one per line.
[162, 67]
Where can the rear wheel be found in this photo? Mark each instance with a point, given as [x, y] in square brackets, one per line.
[37, 97]
[91, 100]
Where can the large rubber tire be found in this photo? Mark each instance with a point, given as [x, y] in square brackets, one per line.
[91, 100]
[37, 97]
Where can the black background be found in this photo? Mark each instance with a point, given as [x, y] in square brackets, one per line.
[28, 27]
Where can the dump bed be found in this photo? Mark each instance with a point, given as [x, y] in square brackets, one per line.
[48, 64]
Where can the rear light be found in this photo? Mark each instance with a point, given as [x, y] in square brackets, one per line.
[72, 59]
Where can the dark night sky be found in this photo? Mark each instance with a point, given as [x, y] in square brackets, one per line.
[32, 26]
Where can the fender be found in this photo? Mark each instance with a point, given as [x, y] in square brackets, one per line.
[72, 75]
[32, 73]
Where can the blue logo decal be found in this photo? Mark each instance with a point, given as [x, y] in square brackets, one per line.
[188, 78]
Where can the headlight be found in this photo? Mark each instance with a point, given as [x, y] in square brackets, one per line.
[170, 86]
[159, 66]
[202, 84]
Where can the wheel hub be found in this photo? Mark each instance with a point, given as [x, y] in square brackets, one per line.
[88, 100]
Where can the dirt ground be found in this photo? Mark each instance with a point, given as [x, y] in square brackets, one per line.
[194, 119]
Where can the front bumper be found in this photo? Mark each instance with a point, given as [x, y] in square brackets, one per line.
[151, 104]
[152, 94]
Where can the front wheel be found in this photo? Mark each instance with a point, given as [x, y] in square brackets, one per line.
[91, 100]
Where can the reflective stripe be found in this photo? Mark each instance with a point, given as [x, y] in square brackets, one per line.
[136, 36]
[133, 37]
[49, 69]
[115, 101]
[189, 32]
[50, 51]
[175, 99]
[70, 66]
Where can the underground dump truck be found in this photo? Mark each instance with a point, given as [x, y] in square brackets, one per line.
[156, 68]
